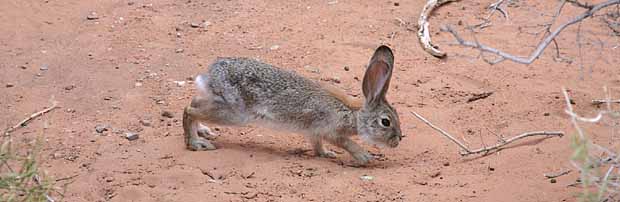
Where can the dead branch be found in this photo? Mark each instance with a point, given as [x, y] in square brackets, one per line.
[555, 175]
[604, 101]
[540, 47]
[32, 116]
[424, 35]
[502, 142]
[486, 22]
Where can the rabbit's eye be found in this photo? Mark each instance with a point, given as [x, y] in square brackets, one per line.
[385, 122]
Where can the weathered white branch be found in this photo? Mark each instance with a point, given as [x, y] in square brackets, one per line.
[424, 35]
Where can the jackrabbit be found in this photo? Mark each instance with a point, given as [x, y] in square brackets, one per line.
[240, 91]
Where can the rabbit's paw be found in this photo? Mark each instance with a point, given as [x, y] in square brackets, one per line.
[206, 132]
[327, 154]
[200, 144]
[362, 158]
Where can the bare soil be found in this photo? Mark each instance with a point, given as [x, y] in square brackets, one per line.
[124, 65]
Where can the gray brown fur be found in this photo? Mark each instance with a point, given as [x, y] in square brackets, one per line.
[240, 91]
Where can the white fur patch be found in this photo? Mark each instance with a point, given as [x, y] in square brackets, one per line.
[202, 84]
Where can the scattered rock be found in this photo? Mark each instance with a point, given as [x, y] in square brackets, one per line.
[138, 84]
[92, 16]
[70, 87]
[546, 114]
[9, 85]
[44, 68]
[101, 128]
[23, 66]
[180, 50]
[205, 25]
[131, 136]
[167, 114]
[396, 4]
[346, 68]
[274, 47]
[146, 123]
[367, 177]
[553, 181]
[334, 79]
[131, 3]
[107, 98]
[180, 83]
[332, 2]
[435, 174]
[194, 25]
[446, 164]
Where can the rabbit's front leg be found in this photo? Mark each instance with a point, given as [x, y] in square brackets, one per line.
[317, 145]
[360, 154]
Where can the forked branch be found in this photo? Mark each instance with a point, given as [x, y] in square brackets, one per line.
[591, 9]
[502, 142]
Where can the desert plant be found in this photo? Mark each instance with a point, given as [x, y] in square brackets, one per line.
[599, 166]
[20, 178]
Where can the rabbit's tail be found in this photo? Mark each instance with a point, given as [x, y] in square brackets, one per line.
[202, 82]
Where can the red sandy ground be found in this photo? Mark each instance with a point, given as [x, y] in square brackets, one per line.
[94, 65]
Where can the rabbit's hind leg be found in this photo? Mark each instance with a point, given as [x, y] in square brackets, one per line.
[191, 126]
[205, 110]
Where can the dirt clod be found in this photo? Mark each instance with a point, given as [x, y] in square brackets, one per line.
[167, 114]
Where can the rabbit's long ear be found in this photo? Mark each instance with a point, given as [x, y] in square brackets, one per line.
[377, 77]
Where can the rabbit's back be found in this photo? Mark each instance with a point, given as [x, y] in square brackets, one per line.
[263, 93]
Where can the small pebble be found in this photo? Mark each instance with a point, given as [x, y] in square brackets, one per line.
[131, 136]
[23, 66]
[274, 47]
[553, 181]
[180, 83]
[92, 16]
[396, 4]
[146, 123]
[180, 50]
[546, 114]
[194, 25]
[346, 68]
[69, 87]
[44, 68]
[332, 2]
[206, 25]
[138, 84]
[367, 177]
[167, 114]
[9, 85]
[100, 128]
[446, 164]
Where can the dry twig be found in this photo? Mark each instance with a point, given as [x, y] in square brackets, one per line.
[604, 101]
[503, 142]
[424, 35]
[555, 175]
[541, 46]
[32, 116]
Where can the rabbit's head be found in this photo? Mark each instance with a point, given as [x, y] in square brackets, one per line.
[377, 121]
